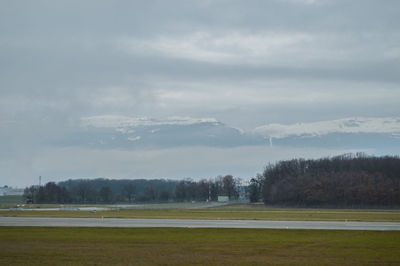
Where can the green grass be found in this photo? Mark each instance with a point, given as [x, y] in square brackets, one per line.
[237, 212]
[184, 246]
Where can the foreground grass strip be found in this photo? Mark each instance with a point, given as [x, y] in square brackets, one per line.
[174, 246]
[237, 213]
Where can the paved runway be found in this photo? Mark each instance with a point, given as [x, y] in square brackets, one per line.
[186, 223]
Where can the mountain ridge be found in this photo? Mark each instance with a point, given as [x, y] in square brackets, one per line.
[344, 125]
[139, 132]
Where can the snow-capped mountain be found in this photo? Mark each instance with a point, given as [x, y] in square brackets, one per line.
[377, 134]
[123, 132]
[114, 121]
[346, 125]
[110, 131]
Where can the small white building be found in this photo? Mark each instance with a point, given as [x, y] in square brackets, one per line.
[223, 198]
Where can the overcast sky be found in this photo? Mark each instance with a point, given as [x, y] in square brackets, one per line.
[245, 63]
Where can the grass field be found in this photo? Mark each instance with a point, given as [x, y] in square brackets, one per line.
[173, 246]
[237, 212]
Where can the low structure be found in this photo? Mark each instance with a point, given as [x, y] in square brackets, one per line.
[223, 198]
[9, 191]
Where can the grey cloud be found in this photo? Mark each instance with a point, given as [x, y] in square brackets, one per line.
[244, 63]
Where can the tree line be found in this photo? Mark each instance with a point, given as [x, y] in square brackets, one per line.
[208, 190]
[102, 190]
[342, 181]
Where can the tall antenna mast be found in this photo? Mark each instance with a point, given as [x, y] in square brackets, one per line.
[40, 181]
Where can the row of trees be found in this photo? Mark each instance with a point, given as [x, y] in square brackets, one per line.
[342, 181]
[102, 191]
[345, 181]
[208, 190]
[141, 190]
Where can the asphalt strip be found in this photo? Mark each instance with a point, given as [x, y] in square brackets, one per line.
[189, 223]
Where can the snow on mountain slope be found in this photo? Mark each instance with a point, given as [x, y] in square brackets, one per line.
[346, 125]
[110, 131]
[123, 132]
[113, 121]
